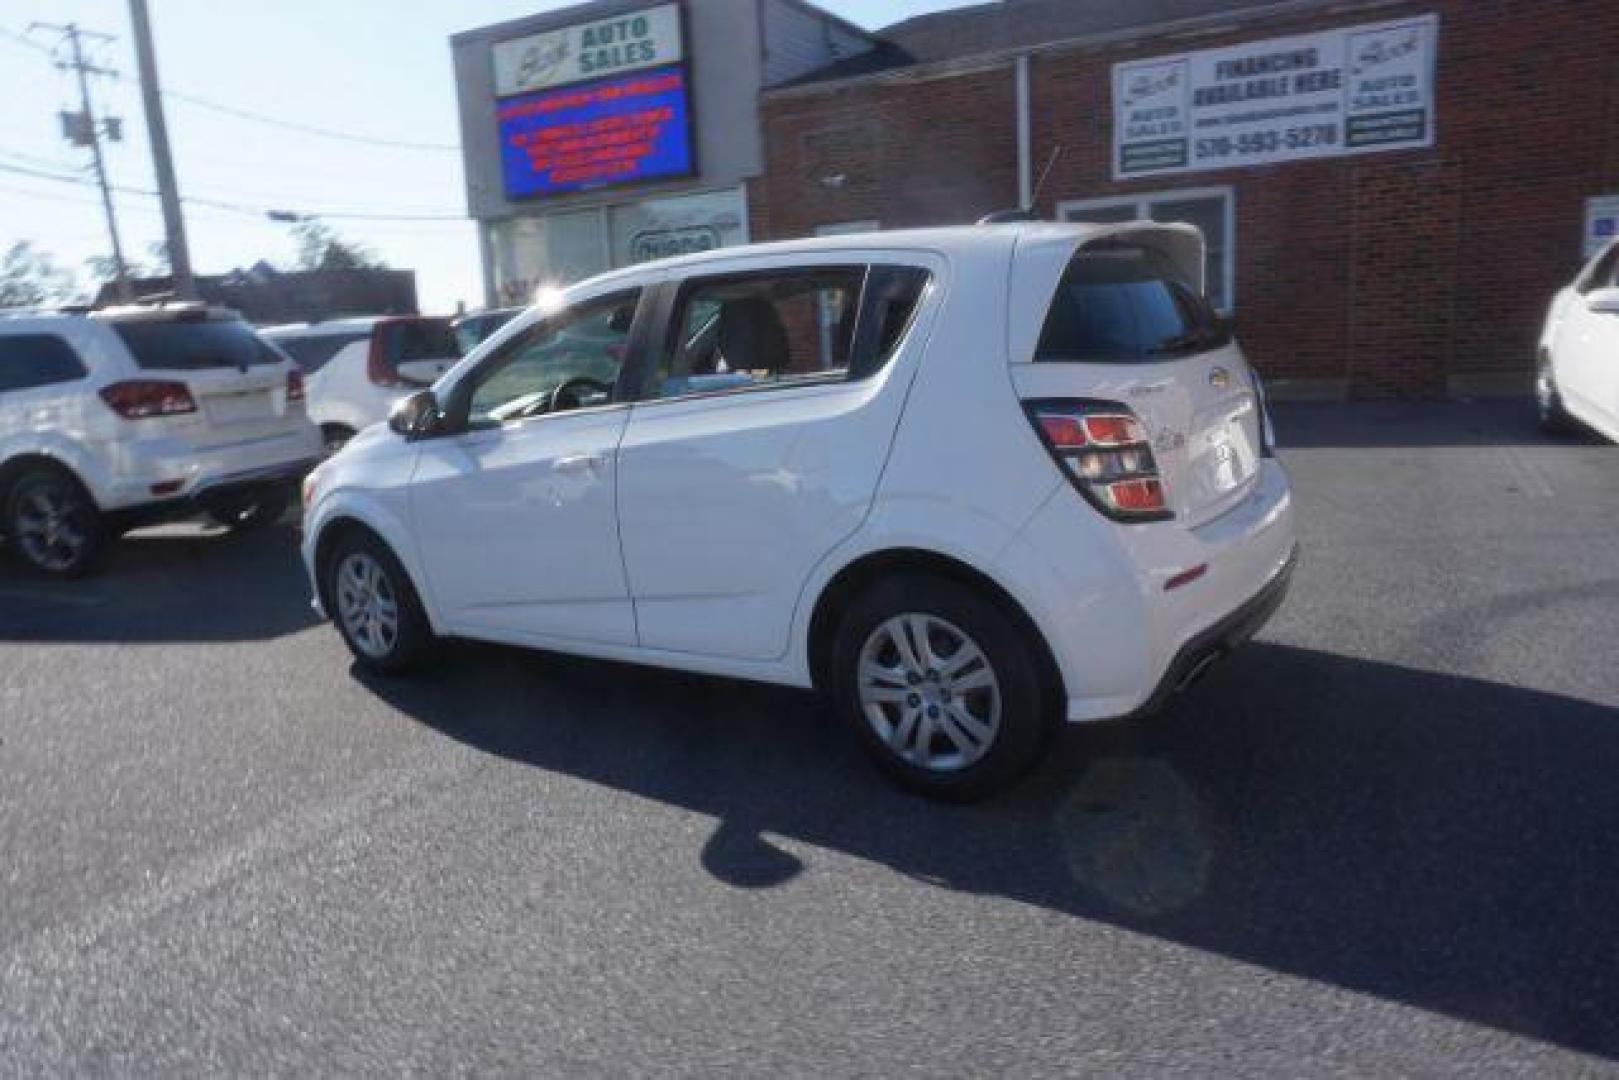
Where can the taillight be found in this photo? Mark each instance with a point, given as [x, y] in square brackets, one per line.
[377, 368]
[1104, 451]
[295, 385]
[140, 398]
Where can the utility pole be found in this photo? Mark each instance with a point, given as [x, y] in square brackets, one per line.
[82, 130]
[174, 226]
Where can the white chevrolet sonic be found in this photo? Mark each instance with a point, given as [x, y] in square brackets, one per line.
[969, 482]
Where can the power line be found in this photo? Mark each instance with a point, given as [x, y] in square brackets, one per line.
[221, 204]
[306, 129]
[239, 113]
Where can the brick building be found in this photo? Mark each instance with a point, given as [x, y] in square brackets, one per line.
[1407, 249]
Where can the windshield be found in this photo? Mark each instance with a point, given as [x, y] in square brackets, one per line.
[194, 346]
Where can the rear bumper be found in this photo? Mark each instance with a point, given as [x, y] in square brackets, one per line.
[166, 471]
[219, 491]
[1200, 653]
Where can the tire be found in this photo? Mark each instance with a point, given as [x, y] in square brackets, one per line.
[52, 523]
[255, 511]
[920, 735]
[1554, 418]
[360, 605]
[335, 437]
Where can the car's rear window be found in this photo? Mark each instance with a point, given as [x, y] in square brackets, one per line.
[418, 339]
[311, 352]
[1121, 303]
[195, 346]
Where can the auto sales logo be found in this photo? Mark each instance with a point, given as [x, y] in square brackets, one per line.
[543, 59]
[1381, 51]
[1147, 86]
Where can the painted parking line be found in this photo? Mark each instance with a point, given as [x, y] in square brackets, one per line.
[1531, 478]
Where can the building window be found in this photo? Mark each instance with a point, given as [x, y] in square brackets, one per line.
[1213, 210]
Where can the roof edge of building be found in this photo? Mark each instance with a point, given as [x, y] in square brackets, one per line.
[1199, 25]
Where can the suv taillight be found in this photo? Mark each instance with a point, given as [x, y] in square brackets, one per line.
[1103, 450]
[377, 368]
[137, 399]
[295, 385]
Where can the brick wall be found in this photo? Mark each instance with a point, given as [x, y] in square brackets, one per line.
[1394, 274]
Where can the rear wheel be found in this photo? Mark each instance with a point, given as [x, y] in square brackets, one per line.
[1549, 400]
[940, 684]
[374, 605]
[253, 511]
[52, 522]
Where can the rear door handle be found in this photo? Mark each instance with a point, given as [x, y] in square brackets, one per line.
[580, 462]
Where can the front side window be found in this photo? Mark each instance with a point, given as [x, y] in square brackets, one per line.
[789, 327]
[1124, 302]
[567, 361]
[30, 360]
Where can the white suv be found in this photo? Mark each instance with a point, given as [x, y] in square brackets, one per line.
[129, 415]
[359, 368]
[970, 482]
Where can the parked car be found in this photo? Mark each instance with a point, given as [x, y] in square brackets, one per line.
[358, 369]
[1577, 377]
[970, 482]
[134, 414]
[474, 329]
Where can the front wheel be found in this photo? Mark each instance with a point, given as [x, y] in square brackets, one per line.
[941, 686]
[375, 607]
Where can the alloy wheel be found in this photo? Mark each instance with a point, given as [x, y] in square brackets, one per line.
[53, 525]
[368, 604]
[929, 692]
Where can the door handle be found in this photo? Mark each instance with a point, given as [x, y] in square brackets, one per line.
[579, 462]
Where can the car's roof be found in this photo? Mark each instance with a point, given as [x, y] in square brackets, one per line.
[955, 241]
[352, 324]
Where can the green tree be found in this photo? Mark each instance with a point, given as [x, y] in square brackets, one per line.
[320, 248]
[29, 278]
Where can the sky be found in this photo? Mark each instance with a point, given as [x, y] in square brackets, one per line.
[378, 68]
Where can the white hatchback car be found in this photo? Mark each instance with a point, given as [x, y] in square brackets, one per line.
[971, 482]
[1577, 378]
[358, 369]
[130, 415]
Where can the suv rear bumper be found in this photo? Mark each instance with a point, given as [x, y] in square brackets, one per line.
[218, 491]
[159, 472]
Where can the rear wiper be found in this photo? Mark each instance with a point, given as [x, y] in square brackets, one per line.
[1183, 343]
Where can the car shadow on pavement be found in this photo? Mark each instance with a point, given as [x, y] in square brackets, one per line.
[183, 582]
[1426, 838]
[1390, 424]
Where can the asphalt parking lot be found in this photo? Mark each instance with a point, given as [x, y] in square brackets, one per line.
[1384, 838]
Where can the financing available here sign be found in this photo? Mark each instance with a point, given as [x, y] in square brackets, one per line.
[1354, 90]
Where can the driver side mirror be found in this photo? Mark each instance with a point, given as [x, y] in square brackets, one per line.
[1603, 301]
[417, 417]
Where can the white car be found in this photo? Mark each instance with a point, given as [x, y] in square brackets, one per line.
[131, 415]
[358, 369]
[1577, 378]
[970, 482]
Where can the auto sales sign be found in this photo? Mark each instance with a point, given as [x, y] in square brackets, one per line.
[596, 104]
[1356, 90]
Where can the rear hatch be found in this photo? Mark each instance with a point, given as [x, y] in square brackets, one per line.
[1117, 330]
[238, 385]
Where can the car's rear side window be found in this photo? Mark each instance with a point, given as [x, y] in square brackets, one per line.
[311, 352]
[1123, 303]
[408, 340]
[195, 346]
[31, 360]
[796, 326]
